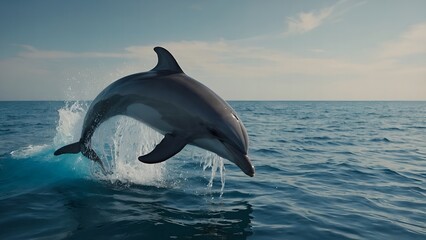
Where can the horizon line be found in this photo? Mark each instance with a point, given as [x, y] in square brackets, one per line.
[240, 100]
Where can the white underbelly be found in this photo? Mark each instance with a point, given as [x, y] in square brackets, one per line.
[212, 145]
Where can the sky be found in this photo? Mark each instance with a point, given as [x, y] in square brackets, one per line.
[241, 49]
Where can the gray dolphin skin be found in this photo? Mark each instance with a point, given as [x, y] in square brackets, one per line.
[177, 106]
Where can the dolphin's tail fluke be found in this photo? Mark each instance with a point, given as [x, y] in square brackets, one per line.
[71, 148]
[78, 147]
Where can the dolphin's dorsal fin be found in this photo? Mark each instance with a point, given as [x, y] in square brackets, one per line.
[166, 62]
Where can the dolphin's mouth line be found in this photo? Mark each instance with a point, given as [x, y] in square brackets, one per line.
[241, 160]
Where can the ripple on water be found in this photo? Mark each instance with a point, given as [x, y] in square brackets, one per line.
[324, 170]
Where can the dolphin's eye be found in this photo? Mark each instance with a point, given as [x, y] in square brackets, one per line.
[235, 116]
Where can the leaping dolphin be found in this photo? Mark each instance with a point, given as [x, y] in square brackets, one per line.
[179, 107]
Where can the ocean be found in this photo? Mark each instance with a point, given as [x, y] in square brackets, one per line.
[324, 170]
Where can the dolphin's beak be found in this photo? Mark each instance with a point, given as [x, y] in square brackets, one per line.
[241, 160]
[246, 166]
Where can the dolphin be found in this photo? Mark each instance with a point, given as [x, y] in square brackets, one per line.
[174, 104]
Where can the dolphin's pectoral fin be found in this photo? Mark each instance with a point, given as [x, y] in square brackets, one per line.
[167, 148]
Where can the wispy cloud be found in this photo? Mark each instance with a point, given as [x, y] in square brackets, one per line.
[308, 21]
[35, 53]
[411, 42]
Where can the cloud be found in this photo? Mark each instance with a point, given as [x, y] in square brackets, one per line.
[232, 70]
[308, 21]
[32, 52]
[412, 42]
[223, 60]
[318, 50]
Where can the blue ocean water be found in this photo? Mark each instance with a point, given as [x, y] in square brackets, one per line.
[324, 170]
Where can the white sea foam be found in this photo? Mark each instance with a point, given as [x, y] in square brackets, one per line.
[28, 151]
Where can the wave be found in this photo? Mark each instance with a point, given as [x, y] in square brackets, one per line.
[380, 140]
[28, 151]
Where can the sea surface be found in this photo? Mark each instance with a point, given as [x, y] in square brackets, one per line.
[324, 170]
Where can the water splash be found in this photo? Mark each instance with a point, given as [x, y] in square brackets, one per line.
[119, 142]
[70, 122]
[215, 163]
